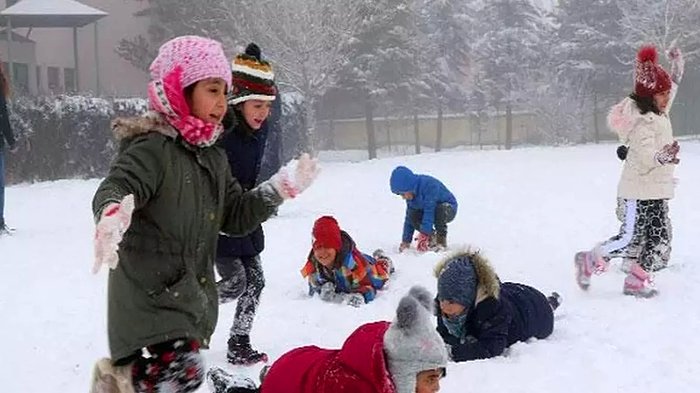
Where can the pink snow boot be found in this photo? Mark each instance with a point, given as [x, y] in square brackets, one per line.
[638, 283]
[587, 263]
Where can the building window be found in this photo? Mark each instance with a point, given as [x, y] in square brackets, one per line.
[21, 80]
[54, 79]
[39, 88]
[69, 79]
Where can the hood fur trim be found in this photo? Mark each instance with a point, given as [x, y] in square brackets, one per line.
[129, 127]
[624, 116]
[489, 285]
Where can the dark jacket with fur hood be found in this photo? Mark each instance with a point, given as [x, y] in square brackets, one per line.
[163, 287]
[502, 314]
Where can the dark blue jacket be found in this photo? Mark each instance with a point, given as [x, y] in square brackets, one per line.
[502, 314]
[5, 128]
[428, 193]
[244, 149]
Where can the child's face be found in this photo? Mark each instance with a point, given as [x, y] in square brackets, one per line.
[451, 309]
[255, 112]
[208, 100]
[325, 255]
[407, 195]
[428, 381]
[662, 99]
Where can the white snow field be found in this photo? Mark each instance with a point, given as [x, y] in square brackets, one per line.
[529, 210]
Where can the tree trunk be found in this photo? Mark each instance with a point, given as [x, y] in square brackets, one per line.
[438, 139]
[369, 124]
[416, 131]
[509, 126]
[596, 136]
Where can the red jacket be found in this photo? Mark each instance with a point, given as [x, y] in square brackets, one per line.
[358, 367]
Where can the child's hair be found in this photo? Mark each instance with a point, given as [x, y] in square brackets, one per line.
[645, 104]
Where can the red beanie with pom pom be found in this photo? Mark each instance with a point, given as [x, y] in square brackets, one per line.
[326, 233]
[649, 77]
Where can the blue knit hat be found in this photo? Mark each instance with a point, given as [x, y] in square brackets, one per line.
[458, 281]
[403, 180]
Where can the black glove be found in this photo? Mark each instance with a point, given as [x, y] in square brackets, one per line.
[622, 152]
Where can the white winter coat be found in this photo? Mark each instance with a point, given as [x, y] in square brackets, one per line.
[643, 177]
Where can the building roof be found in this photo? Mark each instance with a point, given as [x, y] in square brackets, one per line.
[50, 13]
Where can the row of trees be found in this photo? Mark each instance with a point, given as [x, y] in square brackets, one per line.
[410, 57]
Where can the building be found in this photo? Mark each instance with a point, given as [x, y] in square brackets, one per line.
[43, 59]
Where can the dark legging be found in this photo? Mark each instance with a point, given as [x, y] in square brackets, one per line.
[242, 279]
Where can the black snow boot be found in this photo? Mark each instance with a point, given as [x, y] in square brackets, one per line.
[241, 353]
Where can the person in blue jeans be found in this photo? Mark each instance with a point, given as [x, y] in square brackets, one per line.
[5, 135]
[430, 206]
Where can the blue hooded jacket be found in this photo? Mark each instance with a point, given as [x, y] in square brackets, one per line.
[428, 193]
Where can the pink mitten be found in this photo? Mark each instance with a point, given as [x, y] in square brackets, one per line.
[305, 171]
[109, 231]
[423, 242]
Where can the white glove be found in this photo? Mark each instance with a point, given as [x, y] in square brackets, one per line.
[305, 170]
[328, 292]
[354, 299]
[115, 220]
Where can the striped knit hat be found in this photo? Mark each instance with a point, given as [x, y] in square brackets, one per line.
[253, 78]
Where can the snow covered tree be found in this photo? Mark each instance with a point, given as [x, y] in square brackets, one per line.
[664, 23]
[382, 64]
[588, 52]
[509, 48]
[445, 27]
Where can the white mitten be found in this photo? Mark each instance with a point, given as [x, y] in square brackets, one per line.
[115, 220]
[305, 170]
[675, 56]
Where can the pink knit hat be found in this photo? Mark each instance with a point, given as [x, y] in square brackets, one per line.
[182, 62]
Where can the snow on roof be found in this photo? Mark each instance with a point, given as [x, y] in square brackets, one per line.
[50, 13]
[51, 7]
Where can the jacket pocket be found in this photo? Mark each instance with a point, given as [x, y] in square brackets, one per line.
[185, 295]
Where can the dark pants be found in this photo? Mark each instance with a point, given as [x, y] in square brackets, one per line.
[444, 213]
[174, 366]
[242, 279]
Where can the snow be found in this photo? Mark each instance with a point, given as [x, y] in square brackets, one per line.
[51, 7]
[529, 210]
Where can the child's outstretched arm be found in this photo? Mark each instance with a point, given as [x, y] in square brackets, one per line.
[245, 211]
[133, 179]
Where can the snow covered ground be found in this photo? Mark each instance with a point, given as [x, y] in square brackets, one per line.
[529, 210]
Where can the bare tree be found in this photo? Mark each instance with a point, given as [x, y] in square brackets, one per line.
[665, 23]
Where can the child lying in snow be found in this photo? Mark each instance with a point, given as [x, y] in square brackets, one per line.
[404, 356]
[479, 316]
[338, 271]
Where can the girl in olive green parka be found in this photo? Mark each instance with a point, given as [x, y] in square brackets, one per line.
[167, 196]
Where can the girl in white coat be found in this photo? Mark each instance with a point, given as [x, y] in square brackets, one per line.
[646, 184]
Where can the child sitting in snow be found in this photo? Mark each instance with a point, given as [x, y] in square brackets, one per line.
[404, 356]
[429, 207]
[479, 316]
[338, 271]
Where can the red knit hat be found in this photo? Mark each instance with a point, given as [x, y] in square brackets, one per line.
[649, 77]
[326, 233]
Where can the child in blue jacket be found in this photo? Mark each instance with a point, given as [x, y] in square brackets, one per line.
[429, 207]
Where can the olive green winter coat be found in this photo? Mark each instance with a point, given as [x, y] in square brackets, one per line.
[163, 287]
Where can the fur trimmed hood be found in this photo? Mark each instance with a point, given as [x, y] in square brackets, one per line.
[624, 117]
[488, 284]
[128, 127]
